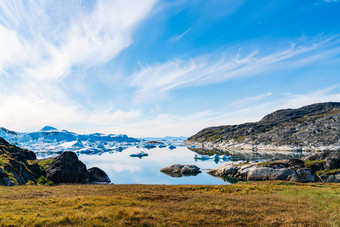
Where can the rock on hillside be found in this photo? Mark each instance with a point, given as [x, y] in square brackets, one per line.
[313, 127]
[16, 165]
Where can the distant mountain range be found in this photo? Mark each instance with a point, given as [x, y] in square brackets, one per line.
[313, 127]
[50, 139]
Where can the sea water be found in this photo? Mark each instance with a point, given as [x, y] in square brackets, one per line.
[123, 169]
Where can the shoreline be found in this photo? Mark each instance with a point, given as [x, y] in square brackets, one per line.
[233, 146]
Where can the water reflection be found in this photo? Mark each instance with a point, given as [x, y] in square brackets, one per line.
[180, 174]
[123, 169]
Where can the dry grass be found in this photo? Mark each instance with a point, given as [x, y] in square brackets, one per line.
[242, 204]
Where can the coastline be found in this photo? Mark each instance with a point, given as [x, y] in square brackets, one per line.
[233, 146]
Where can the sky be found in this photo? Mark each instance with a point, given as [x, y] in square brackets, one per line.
[162, 67]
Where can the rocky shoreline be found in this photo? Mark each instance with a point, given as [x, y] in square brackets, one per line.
[238, 146]
[320, 167]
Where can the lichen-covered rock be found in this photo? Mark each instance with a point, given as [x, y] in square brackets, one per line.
[14, 166]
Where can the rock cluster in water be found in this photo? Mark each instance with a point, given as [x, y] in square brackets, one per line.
[324, 167]
[19, 166]
[313, 127]
[178, 170]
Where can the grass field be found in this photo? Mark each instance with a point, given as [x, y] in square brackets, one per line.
[245, 204]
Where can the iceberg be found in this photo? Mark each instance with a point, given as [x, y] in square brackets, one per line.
[139, 154]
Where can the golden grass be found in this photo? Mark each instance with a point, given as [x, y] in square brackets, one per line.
[242, 204]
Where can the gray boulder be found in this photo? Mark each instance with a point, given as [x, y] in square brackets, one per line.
[305, 175]
[97, 175]
[335, 178]
[323, 156]
[287, 170]
[178, 170]
[332, 163]
[66, 168]
[267, 173]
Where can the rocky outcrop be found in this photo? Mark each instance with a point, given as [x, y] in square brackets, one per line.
[19, 166]
[330, 178]
[295, 170]
[67, 168]
[178, 170]
[312, 128]
[98, 176]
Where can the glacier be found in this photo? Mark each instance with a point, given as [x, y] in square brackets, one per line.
[50, 139]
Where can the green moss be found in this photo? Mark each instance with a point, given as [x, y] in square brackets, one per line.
[310, 163]
[327, 172]
[11, 177]
[30, 183]
[45, 163]
[240, 138]
[270, 163]
[44, 181]
[243, 164]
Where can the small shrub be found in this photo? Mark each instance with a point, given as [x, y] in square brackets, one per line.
[327, 172]
[30, 183]
[310, 163]
[44, 181]
[45, 163]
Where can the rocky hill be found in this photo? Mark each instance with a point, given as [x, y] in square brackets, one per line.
[311, 128]
[20, 166]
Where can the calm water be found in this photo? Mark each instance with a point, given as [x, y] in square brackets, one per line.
[123, 169]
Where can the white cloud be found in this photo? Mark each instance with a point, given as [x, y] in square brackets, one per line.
[252, 109]
[180, 36]
[59, 43]
[112, 117]
[41, 42]
[160, 78]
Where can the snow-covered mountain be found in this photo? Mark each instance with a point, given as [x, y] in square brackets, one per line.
[50, 139]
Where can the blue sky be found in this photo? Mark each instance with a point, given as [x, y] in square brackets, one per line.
[157, 68]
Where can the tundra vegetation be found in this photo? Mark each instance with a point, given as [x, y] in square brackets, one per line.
[244, 203]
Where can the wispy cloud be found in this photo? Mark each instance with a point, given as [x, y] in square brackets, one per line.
[163, 77]
[41, 45]
[251, 110]
[180, 36]
[48, 45]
